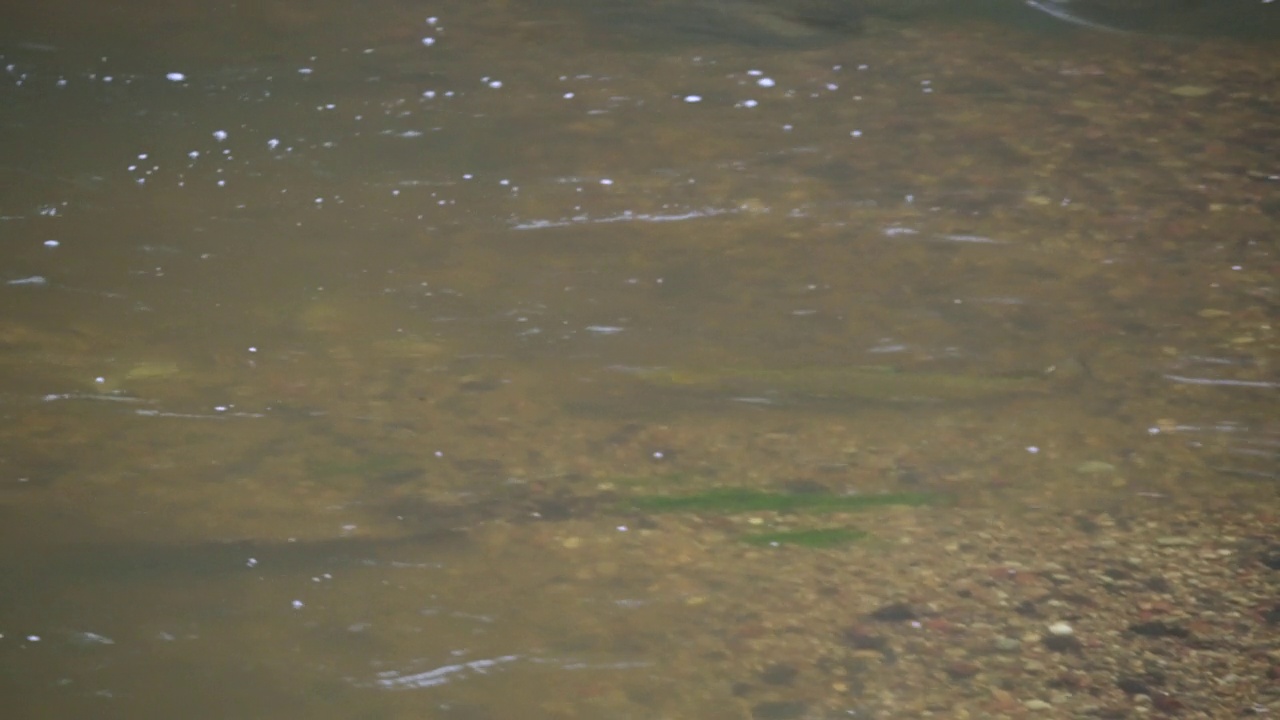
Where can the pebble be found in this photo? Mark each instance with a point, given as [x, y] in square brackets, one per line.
[1008, 644]
[1095, 467]
[1060, 629]
[1037, 705]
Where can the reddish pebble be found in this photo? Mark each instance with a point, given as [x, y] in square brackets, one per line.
[1166, 703]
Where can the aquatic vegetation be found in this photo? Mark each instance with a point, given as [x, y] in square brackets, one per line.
[737, 500]
[816, 538]
[741, 500]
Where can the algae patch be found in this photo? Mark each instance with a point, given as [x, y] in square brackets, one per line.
[730, 501]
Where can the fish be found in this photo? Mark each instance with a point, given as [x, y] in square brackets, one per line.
[877, 384]
[1055, 9]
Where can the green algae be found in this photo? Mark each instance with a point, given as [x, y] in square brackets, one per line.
[736, 500]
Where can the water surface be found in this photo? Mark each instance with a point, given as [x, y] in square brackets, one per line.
[324, 326]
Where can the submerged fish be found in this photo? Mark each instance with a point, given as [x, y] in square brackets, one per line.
[758, 23]
[1056, 9]
[851, 383]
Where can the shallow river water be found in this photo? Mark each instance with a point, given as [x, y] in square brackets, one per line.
[350, 349]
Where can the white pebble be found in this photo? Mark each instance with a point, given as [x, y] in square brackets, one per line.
[1061, 629]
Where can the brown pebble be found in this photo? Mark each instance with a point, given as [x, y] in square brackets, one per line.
[1166, 703]
[895, 612]
[1159, 628]
[961, 670]
[779, 674]
[859, 638]
[1062, 643]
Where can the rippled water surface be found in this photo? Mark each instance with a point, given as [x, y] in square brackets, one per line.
[338, 339]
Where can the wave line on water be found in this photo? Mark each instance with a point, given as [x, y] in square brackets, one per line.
[198, 416]
[627, 216]
[1224, 382]
[392, 680]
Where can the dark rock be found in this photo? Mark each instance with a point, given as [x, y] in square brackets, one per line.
[859, 639]
[1077, 599]
[962, 670]
[910, 476]
[1272, 616]
[1062, 643]
[779, 674]
[897, 612]
[1159, 628]
[1116, 573]
[553, 509]
[1075, 682]
[1133, 686]
[1166, 703]
[1085, 524]
[784, 710]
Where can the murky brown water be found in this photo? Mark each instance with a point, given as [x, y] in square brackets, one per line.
[321, 343]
